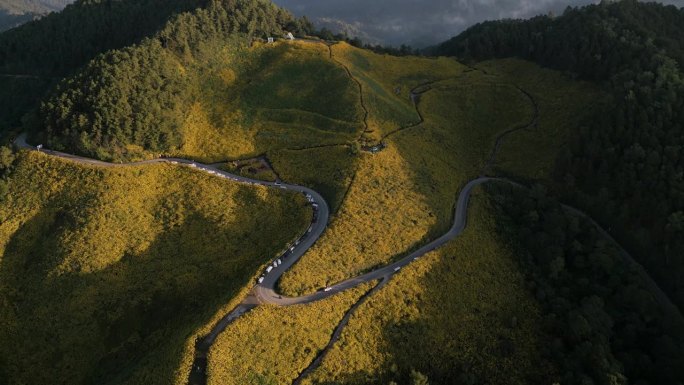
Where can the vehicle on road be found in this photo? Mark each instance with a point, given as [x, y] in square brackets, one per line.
[279, 262]
[278, 184]
[268, 269]
[261, 279]
[397, 268]
[327, 289]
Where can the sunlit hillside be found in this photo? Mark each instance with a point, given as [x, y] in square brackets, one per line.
[155, 272]
[125, 265]
[409, 188]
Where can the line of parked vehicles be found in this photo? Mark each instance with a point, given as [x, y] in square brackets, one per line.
[290, 250]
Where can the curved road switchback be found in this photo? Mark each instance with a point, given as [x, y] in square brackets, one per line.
[264, 291]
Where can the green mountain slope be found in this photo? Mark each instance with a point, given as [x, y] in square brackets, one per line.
[36, 55]
[107, 274]
[128, 265]
[624, 165]
[141, 95]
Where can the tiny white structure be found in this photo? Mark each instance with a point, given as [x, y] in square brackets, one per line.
[290, 36]
[270, 40]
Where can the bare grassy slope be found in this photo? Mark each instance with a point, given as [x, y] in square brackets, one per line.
[106, 273]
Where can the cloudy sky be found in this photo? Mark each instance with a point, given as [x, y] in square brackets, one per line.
[421, 22]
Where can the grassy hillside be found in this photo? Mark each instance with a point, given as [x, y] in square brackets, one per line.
[106, 274]
[386, 82]
[265, 98]
[213, 94]
[563, 104]
[461, 314]
[260, 348]
[328, 170]
[139, 97]
[624, 164]
[530, 293]
[410, 187]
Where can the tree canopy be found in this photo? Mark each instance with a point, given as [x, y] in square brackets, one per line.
[136, 95]
[625, 164]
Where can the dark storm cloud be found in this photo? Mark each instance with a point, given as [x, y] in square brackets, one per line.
[421, 22]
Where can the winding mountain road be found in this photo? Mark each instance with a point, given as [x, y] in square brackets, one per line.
[264, 292]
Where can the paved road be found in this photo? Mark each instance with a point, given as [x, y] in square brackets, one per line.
[264, 292]
[316, 228]
[267, 294]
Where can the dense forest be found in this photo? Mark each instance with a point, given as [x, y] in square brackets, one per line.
[605, 326]
[134, 95]
[625, 165]
[61, 42]
[34, 56]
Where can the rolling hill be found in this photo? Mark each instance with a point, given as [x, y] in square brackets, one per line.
[111, 275]
[623, 165]
[80, 244]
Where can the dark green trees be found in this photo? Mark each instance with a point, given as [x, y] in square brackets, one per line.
[138, 95]
[604, 325]
[624, 165]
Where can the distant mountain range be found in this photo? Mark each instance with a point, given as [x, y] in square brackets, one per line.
[421, 23]
[16, 12]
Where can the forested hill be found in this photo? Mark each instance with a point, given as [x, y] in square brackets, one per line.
[37, 54]
[625, 166]
[61, 42]
[137, 96]
[596, 41]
